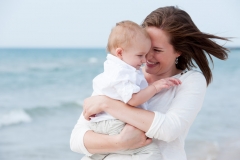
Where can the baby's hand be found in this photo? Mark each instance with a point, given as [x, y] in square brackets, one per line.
[166, 83]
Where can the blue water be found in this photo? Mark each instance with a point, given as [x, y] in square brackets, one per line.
[41, 95]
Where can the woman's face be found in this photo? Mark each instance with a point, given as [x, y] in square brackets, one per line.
[161, 57]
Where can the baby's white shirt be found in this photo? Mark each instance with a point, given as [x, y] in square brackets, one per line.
[119, 81]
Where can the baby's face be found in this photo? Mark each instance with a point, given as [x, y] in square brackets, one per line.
[135, 55]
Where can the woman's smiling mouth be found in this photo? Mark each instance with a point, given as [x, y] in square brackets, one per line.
[151, 64]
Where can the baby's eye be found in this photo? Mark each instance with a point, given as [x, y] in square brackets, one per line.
[140, 55]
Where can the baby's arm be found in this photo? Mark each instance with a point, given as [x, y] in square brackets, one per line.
[144, 95]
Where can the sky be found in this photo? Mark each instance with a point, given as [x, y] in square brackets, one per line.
[87, 23]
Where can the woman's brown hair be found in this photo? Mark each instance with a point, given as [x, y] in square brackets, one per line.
[187, 39]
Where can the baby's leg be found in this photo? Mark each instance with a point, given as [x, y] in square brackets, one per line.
[110, 127]
[149, 152]
[113, 127]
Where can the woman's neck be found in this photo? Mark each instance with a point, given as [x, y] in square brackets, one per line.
[152, 78]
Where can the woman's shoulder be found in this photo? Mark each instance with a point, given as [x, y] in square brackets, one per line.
[190, 74]
[193, 76]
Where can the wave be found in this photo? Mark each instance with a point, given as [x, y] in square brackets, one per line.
[9, 68]
[45, 66]
[27, 115]
[14, 117]
[32, 67]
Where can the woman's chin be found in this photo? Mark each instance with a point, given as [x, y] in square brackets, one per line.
[149, 70]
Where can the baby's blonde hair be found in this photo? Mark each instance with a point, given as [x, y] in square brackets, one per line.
[123, 34]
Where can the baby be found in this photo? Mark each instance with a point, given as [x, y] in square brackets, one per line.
[123, 80]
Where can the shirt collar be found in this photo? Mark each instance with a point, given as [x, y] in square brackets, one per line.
[120, 62]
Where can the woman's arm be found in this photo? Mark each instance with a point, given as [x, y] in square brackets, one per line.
[167, 127]
[183, 109]
[124, 111]
[129, 138]
[140, 118]
[85, 141]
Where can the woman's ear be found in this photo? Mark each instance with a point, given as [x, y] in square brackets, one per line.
[178, 53]
[119, 52]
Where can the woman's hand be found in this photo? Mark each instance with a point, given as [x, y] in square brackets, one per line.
[93, 105]
[132, 138]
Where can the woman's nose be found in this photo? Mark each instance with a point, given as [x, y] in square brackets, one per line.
[149, 55]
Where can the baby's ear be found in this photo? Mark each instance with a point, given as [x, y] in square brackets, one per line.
[119, 52]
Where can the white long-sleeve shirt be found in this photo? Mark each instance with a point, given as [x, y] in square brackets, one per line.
[175, 110]
[119, 81]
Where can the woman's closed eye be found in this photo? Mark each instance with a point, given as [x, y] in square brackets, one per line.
[157, 50]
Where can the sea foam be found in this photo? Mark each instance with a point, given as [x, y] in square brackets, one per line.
[14, 117]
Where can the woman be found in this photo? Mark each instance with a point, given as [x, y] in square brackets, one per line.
[177, 46]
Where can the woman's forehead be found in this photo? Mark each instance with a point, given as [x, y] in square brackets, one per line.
[158, 37]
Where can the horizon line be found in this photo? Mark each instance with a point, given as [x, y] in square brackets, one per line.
[229, 47]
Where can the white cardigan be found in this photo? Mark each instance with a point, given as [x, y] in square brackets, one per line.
[175, 110]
